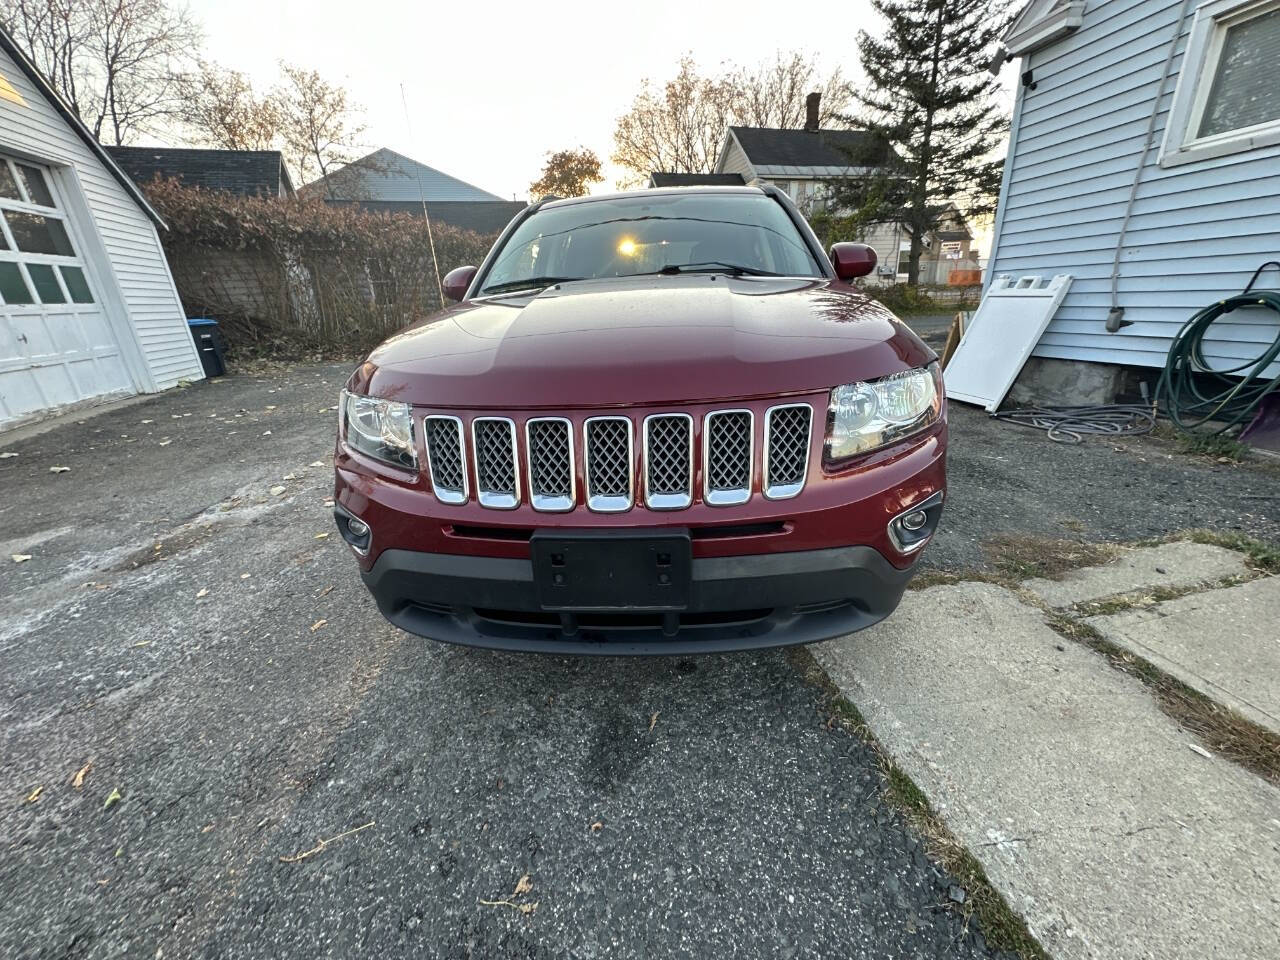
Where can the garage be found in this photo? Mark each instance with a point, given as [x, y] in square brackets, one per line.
[88, 309]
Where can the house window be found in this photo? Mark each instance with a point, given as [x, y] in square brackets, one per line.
[1227, 99]
[38, 264]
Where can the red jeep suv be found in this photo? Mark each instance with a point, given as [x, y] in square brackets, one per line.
[656, 422]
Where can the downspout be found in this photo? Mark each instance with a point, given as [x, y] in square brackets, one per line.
[1115, 316]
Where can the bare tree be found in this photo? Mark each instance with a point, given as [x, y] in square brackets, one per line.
[319, 126]
[567, 173]
[225, 111]
[121, 65]
[773, 94]
[680, 127]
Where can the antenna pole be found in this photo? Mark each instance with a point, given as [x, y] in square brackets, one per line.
[431, 240]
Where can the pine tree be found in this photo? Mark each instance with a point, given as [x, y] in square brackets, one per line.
[930, 97]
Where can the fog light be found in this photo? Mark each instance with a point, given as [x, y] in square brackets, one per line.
[912, 521]
[359, 528]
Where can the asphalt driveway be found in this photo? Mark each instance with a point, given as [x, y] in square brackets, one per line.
[196, 686]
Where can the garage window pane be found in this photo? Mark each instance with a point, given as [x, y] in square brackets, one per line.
[37, 188]
[1245, 91]
[73, 277]
[8, 189]
[36, 234]
[46, 283]
[13, 289]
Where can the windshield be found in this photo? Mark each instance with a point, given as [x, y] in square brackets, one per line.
[650, 233]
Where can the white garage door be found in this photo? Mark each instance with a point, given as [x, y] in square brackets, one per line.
[56, 345]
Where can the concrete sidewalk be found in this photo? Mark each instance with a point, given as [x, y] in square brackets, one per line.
[1094, 813]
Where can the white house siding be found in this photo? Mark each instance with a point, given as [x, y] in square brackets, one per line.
[137, 263]
[735, 161]
[1197, 231]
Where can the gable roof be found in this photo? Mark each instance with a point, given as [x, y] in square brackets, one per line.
[387, 175]
[246, 172]
[773, 147]
[38, 81]
[659, 178]
[1040, 23]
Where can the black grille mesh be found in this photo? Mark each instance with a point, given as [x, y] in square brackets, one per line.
[495, 457]
[728, 451]
[788, 441]
[669, 439]
[549, 470]
[608, 459]
[444, 453]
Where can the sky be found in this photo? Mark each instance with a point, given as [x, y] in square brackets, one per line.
[492, 87]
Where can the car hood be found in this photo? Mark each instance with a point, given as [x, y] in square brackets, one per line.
[642, 340]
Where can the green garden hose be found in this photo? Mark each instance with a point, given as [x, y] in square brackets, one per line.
[1191, 392]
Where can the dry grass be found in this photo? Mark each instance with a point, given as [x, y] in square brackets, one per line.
[1221, 730]
[1023, 556]
[1000, 925]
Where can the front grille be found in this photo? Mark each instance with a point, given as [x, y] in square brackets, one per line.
[495, 452]
[726, 457]
[550, 450]
[668, 461]
[786, 450]
[444, 459]
[608, 463]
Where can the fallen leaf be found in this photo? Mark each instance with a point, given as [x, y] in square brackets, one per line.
[148, 421]
[206, 829]
[202, 592]
[276, 490]
[165, 443]
[34, 795]
[597, 827]
[289, 476]
[318, 624]
[113, 798]
[325, 590]
[143, 643]
[244, 576]
[20, 557]
[322, 536]
[1196, 748]
[78, 780]
[266, 433]
[271, 406]
[7, 454]
[175, 416]
[59, 469]
[313, 463]
[653, 722]
[523, 886]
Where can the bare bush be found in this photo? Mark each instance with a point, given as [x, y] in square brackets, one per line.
[294, 276]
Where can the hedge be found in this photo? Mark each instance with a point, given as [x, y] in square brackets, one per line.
[294, 276]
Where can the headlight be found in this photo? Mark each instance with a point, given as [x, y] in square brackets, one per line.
[382, 429]
[864, 416]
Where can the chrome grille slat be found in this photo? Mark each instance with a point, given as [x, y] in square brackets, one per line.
[727, 448]
[787, 431]
[448, 472]
[549, 448]
[609, 463]
[497, 476]
[668, 461]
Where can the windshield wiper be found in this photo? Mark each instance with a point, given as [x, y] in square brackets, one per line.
[715, 266]
[527, 282]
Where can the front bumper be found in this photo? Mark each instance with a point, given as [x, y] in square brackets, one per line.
[736, 603]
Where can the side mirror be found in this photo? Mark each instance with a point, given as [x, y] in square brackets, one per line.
[852, 260]
[457, 280]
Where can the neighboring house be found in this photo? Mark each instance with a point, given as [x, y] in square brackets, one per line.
[244, 172]
[803, 162]
[390, 182]
[1145, 147]
[87, 306]
[659, 179]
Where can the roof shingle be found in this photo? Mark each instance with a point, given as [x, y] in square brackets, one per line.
[768, 146]
[245, 172]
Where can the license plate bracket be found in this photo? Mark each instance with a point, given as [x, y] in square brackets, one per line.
[612, 570]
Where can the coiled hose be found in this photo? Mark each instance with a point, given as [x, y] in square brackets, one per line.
[1073, 424]
[1191, 393]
